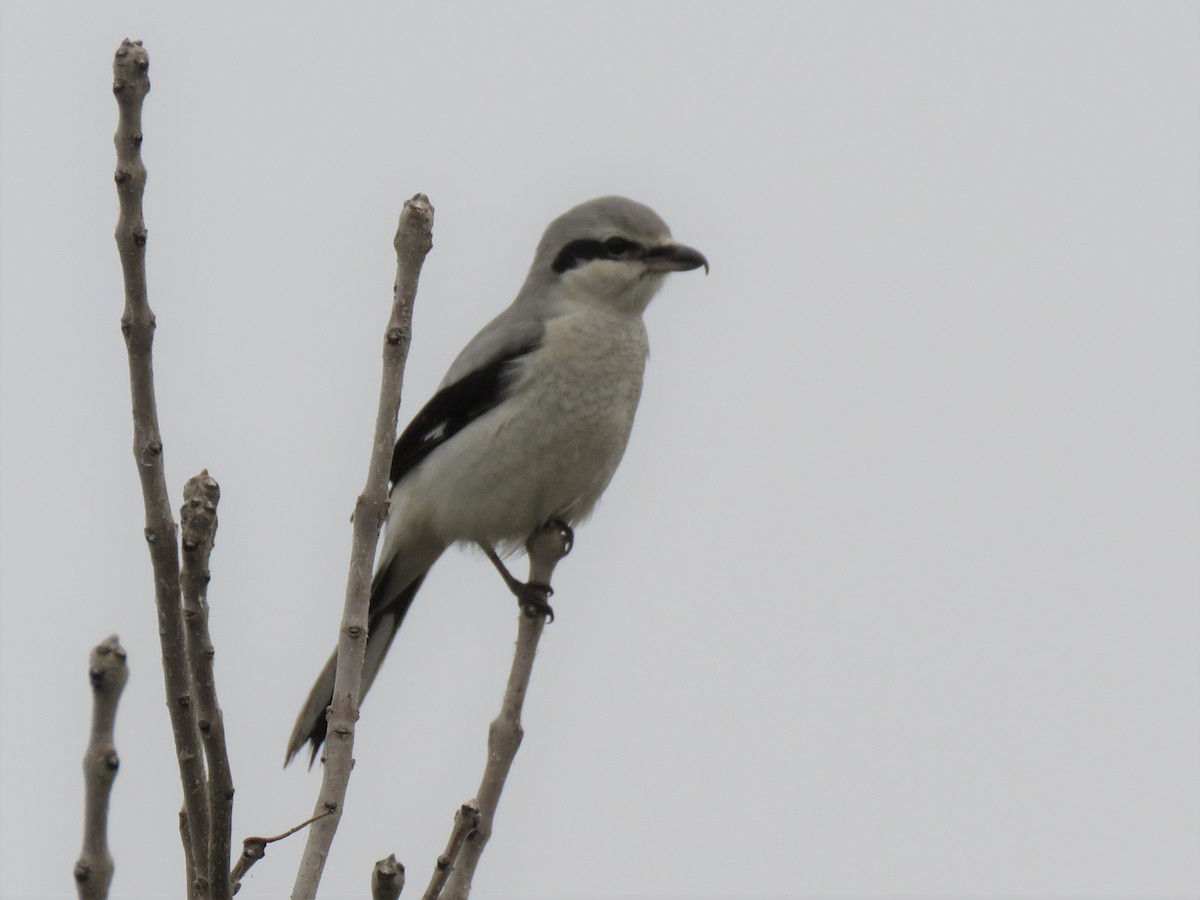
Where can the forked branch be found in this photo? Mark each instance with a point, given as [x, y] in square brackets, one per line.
[255, 848]
[466, 820]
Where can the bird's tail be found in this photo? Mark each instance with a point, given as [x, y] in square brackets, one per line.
[382, 625]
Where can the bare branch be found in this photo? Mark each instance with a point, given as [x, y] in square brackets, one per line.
[130, 86]
[546, 547]
[255, 848]
[387, 879]
[198, 518]
[466, 820]
[413, 242]
[107, 673]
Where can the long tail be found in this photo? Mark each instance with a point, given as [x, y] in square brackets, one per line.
[382, 624]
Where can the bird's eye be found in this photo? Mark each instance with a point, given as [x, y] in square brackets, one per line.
[617, 246]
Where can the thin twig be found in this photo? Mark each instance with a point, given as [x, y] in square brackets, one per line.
[546, 547]
[413, 242]
[466, 820]
[198, 521]
[130, 86]
[107, 673]
[387, 879]
[255, 848]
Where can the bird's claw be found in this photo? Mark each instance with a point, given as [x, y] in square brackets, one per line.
[533, 597]
[568, 534]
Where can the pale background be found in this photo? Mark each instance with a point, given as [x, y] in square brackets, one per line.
[895, 594]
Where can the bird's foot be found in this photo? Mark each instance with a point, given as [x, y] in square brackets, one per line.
[532, 596]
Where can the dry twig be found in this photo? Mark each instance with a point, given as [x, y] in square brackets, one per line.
[413, 242]
[108, 673]
[546, 547]
[255, 848]
[466, 820]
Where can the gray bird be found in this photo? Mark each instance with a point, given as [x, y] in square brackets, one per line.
[530, 422]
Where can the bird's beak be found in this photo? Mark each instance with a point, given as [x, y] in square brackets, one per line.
[675, 258]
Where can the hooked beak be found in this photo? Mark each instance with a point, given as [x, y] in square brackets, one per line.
[675, 258]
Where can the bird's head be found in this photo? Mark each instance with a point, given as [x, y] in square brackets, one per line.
[612, 249]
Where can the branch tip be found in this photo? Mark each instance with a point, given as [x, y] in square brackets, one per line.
[412, 243]
[107, 676]
[387, 879]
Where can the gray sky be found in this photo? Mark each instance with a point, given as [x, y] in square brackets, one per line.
[895, 594]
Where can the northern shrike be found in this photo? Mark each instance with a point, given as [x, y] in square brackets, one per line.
[530, 421]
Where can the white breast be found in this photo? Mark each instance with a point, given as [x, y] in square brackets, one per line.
[547, 451]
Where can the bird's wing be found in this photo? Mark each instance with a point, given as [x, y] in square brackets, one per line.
[479, 388]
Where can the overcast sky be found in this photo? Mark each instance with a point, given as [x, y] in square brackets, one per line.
[896, 591]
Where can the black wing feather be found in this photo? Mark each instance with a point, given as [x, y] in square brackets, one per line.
[452, 409]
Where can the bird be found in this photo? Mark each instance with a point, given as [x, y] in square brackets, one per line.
[529, 423]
